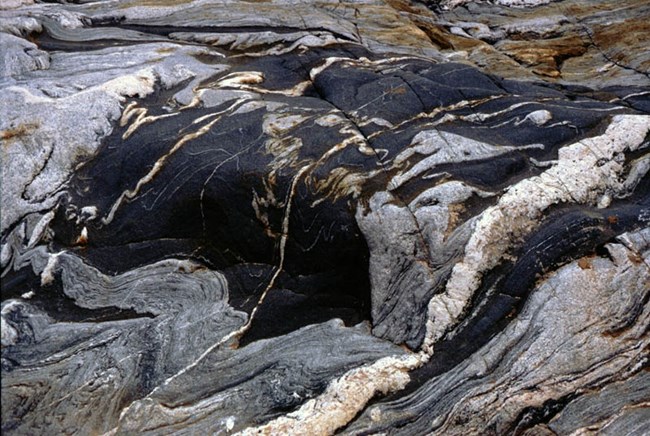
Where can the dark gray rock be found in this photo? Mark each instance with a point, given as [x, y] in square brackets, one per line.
[290, 218]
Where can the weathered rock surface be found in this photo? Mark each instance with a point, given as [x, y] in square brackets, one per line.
[290, 217]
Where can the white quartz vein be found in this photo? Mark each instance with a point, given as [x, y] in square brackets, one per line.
[584, 171]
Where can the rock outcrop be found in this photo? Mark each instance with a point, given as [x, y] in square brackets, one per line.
[357, 217]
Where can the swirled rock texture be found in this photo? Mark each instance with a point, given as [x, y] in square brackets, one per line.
[351, 217]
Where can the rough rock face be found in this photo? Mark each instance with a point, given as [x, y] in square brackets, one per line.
[362, 217]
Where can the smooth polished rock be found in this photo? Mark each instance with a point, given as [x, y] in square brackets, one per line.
[350, 217]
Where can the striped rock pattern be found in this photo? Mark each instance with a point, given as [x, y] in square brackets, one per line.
[356, 217]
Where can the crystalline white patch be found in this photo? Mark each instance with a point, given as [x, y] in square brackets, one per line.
[47, 276]
[5, 254]
[280, 124]
[344, 397]
[242, 78]
[584, 170]
[230, 423]
[40, 229]
[539, 117]
[9, 334]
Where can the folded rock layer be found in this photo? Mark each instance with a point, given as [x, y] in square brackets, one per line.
[356, 217]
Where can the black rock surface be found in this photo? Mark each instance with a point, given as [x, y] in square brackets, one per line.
[296, 218]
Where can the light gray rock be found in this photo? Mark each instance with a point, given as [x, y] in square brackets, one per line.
[20, 56]
[202, 398]
[353, 217]
[555, 351]
[406, 271]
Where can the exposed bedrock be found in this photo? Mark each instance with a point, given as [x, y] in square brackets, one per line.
[378, 217]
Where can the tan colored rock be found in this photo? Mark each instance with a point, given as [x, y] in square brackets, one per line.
[599, 43]
[546, 58]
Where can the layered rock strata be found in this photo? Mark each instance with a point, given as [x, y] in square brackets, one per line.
[287, 217]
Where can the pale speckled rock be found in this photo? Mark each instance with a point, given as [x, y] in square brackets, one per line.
[349, 217]
[20, 56]
[581, 330]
